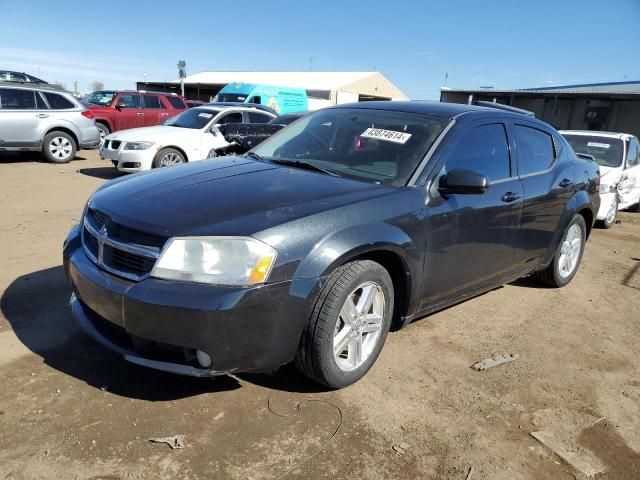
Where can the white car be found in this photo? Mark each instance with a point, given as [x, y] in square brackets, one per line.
[187, 137]
[618, 155]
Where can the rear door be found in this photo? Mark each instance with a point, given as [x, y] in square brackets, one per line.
[258, 117]
[629, 187]
[548, 184]
[22, 114]
[128, 112]
[471, 238]
[152, 110]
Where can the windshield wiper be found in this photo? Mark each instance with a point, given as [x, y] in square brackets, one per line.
[307, 165]
[255, 156]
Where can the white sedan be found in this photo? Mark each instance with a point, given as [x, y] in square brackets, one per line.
[187, 137]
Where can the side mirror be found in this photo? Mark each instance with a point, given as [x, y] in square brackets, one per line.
[120, 105]
[586, 156]
[464, 182]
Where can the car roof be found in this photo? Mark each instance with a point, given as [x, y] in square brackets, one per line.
[592, 133]
[146, 92]
[221, 108]
[438, 109]
[257, 106]
[33, 86]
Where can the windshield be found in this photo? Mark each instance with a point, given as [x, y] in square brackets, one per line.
[377, 146]
[608, 152]
[231, 97]
[195, 118]
[100, 98]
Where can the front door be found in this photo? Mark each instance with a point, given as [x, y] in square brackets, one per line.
[128, 112]
[471, 237]
[629, 186]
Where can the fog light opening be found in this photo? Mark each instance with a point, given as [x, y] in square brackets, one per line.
[203, 359]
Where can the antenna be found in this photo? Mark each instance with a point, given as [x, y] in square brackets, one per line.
[311, 59]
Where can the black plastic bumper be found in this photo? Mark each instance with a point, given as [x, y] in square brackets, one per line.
[241, 329]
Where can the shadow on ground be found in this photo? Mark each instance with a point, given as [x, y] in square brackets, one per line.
[28, 157]
[105, 173]
[36, 306]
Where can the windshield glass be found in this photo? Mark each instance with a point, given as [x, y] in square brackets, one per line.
[607, 151]
[195, 118]
[100, 98]
[377, 146]
[231, 97]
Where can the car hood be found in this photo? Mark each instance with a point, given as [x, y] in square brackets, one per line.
[151, 133]
[227, 196]
[610, 174]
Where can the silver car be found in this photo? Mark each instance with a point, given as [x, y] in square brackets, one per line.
[44, 119]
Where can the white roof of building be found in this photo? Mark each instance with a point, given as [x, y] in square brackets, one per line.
[306, 80]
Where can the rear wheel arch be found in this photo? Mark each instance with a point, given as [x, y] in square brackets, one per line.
[61, 129]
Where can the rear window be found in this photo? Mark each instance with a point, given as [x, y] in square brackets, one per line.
[14, 99]
[176, 102]
[608, 152]
[58, 102]
[534, 149]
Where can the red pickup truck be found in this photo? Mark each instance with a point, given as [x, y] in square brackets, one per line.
[119, 110]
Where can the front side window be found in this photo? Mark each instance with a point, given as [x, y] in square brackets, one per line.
[632, 153]
[128, 100]
[100, 98]
[194, 118]
[608, 152]
[14, 99]
[377, 146]
[535, 150]
[484, 150]
[259, 118]
[58, 102]
[151, 101]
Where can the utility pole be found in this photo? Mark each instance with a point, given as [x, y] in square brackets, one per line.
[75, 86]
[311, 59]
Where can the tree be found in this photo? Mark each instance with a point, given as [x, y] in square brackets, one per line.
[96, 85]
[60, 84]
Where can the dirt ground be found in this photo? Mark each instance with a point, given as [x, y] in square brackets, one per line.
[70, 409]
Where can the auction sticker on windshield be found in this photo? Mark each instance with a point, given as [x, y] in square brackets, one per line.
[205, 115]
[386, 135]
[599, 145]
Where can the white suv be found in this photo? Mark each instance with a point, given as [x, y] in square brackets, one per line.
[44, 119]
[187, 137]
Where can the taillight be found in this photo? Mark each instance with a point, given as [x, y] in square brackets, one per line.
[88, 114]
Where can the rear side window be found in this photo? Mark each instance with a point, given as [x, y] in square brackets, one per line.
[534, 148]
[482, 149]
[176, 103]
[58, 102]
[151, 101]
[13, 99]
[258, 118]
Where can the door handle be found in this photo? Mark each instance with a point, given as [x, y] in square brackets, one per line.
[566, 182]
[140, 113]
[511, 197]
[42, 115]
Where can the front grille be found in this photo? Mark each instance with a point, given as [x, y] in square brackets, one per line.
[119, 249]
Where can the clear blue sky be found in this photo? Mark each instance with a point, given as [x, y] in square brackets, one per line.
[504, 43]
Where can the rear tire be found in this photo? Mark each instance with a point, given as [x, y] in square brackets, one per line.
[59, 147]
[568, 256]
[348, 325]
[168, 157]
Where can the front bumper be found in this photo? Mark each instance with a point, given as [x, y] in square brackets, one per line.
[129, 160]
[160, 324]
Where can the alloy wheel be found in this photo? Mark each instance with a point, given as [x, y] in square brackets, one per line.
[170, 159]
[359, 326]
[570, 251]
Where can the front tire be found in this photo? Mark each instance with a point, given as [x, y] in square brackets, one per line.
[568, 255]
[611, 215]
[168, 157]
[59, 147]
[348, 325]
[103, 130]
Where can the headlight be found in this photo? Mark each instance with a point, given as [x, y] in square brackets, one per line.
[137, 145]
[237, 261]
[606, 188]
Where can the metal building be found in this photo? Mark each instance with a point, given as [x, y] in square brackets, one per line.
[326, 87]
[613, 107]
